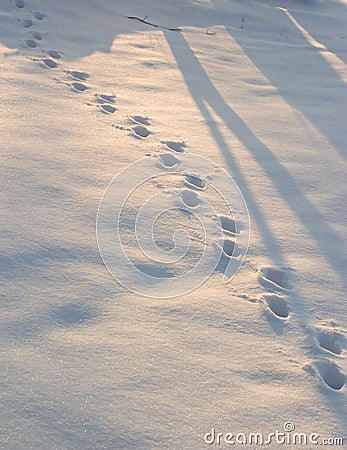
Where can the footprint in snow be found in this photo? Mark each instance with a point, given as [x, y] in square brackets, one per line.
[79, 87]
[27, 23]
[107, 108]
[53, 54]
[38, 15]
[276, 311]
[277, 305]
[141, 120]
[228, 225]
[329, 373]
[230, 248]
[106, 102]
[36, 35]
[169, 160]
[194, 182]
[30, 43]
[140, 132]
[331, 340]
[76, 75]
[101, 98]
[190, 198]
[50, 63]
[19, 3]
[273, 278]
[176, 146]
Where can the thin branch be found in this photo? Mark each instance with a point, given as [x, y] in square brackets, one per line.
[152, 24]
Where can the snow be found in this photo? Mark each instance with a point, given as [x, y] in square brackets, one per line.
[257, 88]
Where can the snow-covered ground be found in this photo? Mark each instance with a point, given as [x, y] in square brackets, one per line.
[259, 89]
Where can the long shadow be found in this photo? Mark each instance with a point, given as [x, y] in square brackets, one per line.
[292, 70]
[203, 92]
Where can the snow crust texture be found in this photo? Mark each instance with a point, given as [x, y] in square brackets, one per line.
[256, 88]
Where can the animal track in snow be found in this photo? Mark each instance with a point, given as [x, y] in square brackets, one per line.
[83, 76]
[331, 374]
[169, 160]
[195, 182]
[53, 54]
[19, 3]
[140, 131]
[277, 305]
[230, 248]
[273, 277]
[106, 98]
[27, 23]
[30, 43]
[176, 146]
[36, 35]
[107, 108]
[331, 340]
[228, 225]
[190, 198]
[79, 87]
[38, 15]
[141, 120]
[106, 103]
[50, 63]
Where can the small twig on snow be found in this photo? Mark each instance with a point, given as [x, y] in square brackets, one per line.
[152, 24]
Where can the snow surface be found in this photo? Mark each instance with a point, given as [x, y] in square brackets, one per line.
[257, 87]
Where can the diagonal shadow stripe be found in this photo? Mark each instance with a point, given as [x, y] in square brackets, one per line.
[330, 244]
